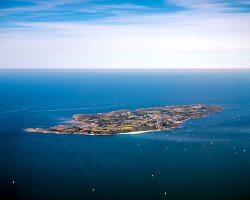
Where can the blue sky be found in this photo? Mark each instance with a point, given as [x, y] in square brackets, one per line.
[125, 34]
[87, 10]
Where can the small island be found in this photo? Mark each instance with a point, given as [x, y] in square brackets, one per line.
[131, 121]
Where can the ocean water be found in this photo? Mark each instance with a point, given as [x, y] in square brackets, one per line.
[205, 159]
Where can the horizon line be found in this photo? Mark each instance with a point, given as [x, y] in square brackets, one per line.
[131, 69]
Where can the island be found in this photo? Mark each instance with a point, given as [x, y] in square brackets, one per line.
[131, 121]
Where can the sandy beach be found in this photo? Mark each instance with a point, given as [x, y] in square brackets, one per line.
[134, 132]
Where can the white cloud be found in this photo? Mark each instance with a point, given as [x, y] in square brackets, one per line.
[210, 6]
[178, 40]
[35, 6]
[113, 8]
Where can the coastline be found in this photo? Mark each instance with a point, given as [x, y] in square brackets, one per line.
[36, 130]
[58, 133]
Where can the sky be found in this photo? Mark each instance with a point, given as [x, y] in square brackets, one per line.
[130, 34]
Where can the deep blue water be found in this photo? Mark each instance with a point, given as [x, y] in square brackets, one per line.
[205, 159]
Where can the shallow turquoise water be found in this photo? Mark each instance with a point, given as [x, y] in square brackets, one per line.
[206, 159]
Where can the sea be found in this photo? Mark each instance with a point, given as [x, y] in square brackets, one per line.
[206, 158]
